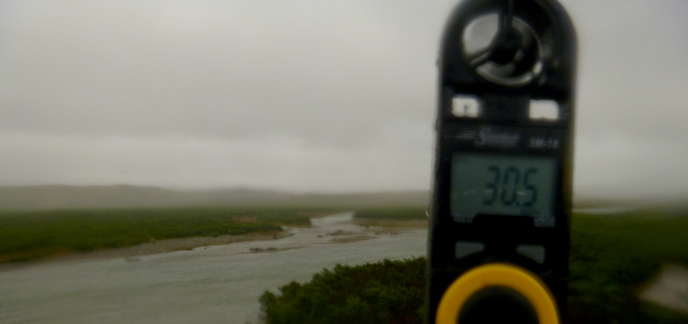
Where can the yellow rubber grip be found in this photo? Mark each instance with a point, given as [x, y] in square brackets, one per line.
[497, 274]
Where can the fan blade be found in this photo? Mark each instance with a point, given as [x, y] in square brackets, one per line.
[506, 16]
[480, 57]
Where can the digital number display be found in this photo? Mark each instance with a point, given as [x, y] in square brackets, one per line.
[502, 185]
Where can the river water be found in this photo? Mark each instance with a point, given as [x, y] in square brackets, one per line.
[217, 284]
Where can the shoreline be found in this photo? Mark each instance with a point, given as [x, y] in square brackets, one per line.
[154, 247]
[669, 288]
[369, 228]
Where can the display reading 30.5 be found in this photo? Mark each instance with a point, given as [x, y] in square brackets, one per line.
[508, 183]
[501, 185]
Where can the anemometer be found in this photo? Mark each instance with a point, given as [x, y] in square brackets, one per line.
[499, 228]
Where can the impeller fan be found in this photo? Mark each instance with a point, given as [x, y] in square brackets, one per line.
[503, 49]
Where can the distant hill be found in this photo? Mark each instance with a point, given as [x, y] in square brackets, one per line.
[127, 196]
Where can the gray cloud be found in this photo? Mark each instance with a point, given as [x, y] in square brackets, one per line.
[325, 74]
[185, 162]
[301, 95]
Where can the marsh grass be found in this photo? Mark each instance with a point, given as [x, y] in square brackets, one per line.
[28, 235]
[350, 238]
[612, 258]
[391, 213]
[390, 224]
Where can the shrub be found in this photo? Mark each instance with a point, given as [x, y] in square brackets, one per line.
[382, 292]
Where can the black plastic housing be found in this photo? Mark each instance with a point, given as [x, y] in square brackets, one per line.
[504, 109]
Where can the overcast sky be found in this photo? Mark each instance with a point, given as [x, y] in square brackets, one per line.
[333, 96]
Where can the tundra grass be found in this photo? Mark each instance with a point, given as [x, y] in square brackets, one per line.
[392, 213]
[391, 217]
[612, 258]
[27, 235]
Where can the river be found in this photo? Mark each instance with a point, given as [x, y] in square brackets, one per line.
[217, 284]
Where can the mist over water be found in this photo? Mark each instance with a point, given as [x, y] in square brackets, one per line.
[218, 284]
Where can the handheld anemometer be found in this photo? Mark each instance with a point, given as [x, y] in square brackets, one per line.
[499, 229]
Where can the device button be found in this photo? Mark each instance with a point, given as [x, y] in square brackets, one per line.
[533, 252]
[466, 248]
[465, 106]
[543, 109]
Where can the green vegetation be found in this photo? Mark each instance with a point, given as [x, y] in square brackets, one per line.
[27, 235]
[390, 219]
[612, 257]
[391, 213]
[383, 292]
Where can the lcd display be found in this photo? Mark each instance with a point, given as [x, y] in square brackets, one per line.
[502, 185]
